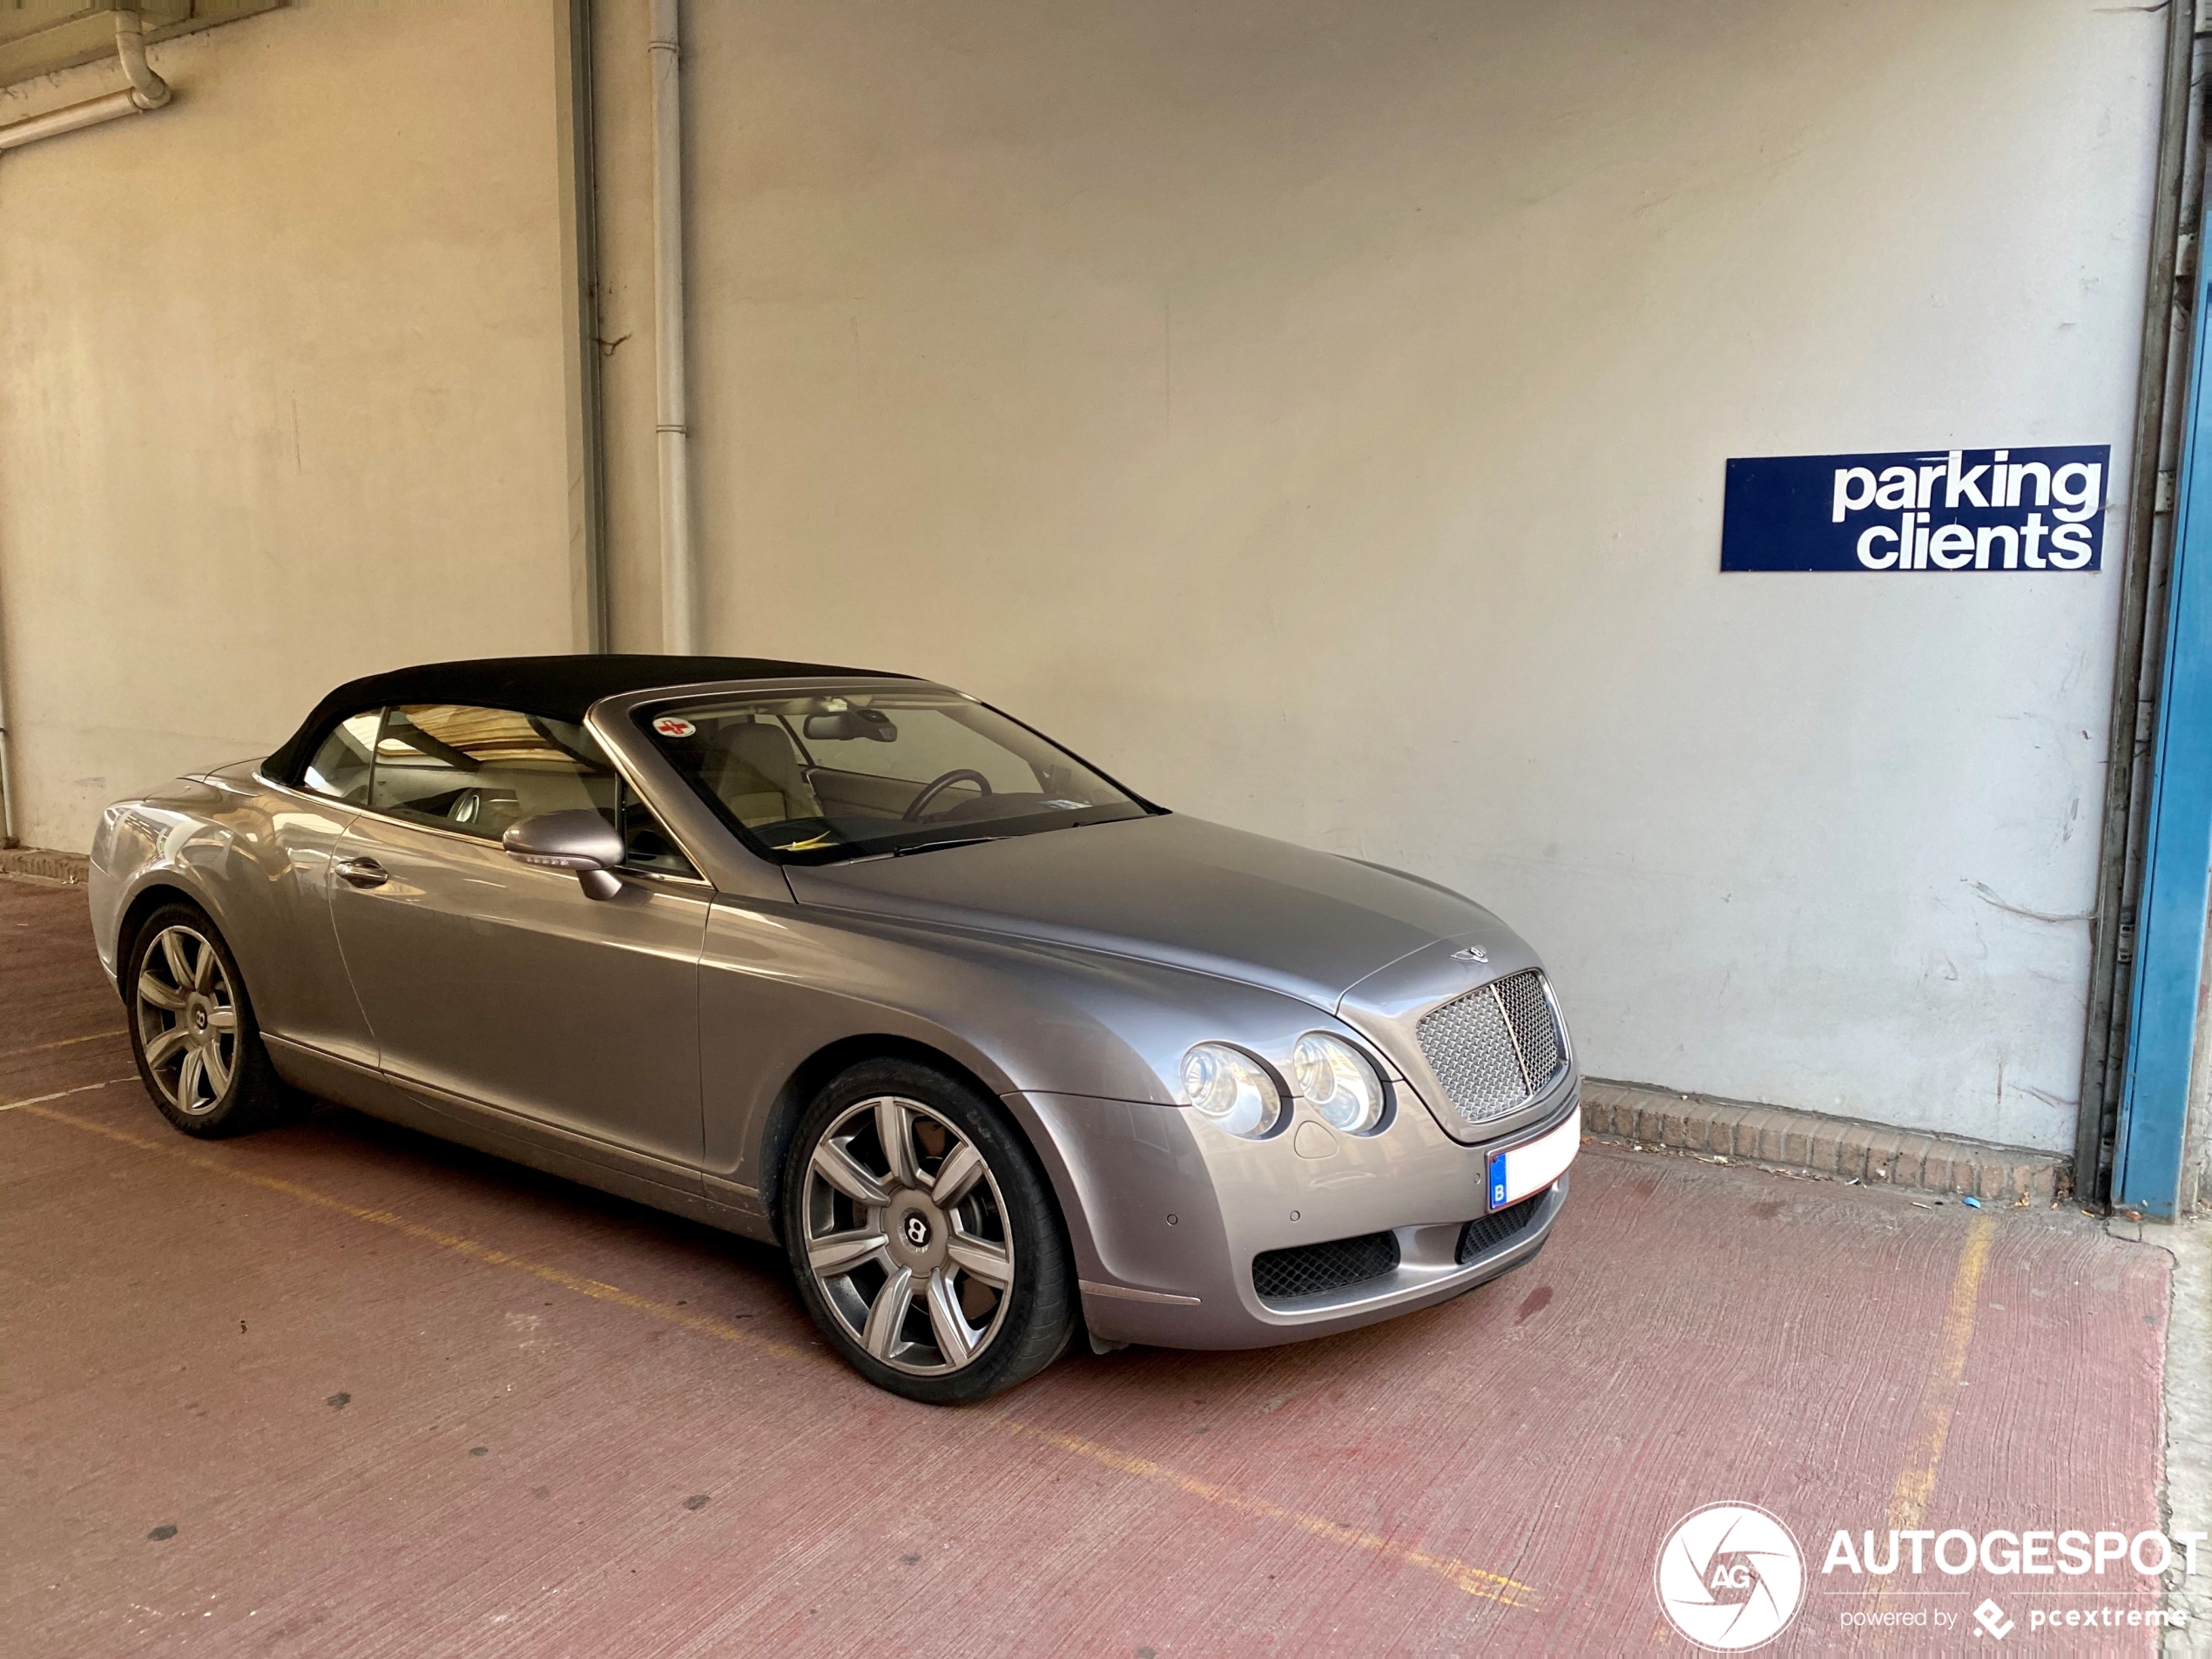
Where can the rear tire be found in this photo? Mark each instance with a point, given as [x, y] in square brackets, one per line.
[192, 1031]
[923, 1236]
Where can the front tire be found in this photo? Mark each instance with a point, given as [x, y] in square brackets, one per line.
[192, 1031]
[923, 1236]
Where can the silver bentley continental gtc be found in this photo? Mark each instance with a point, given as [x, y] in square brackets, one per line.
[998, 1051]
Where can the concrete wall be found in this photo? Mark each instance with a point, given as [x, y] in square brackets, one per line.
[281, 387]
[1314, 410]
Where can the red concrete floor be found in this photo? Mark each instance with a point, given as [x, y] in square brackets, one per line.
[340, 1389]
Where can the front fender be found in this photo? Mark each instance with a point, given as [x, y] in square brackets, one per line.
[782, 983]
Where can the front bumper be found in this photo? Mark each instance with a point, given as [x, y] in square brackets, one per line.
[1165, 1214]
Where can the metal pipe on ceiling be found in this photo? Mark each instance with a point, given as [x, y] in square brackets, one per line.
[147, 90]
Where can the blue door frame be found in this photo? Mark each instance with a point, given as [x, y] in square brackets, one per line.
[2177, 862]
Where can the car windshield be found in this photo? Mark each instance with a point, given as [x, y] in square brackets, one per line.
[814, 779]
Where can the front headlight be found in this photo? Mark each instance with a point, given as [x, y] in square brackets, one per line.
[1232, 1089]
[1338, 1082]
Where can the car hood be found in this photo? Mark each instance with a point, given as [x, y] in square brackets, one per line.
[1168, 889]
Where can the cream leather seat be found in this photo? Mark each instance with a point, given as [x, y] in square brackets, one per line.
[758, 776]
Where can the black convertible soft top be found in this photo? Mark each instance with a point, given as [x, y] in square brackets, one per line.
[561, 688]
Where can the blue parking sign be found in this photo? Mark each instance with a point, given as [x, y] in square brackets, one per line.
[1946, 510]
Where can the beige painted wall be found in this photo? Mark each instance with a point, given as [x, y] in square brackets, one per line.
[281, 387]
[1315, 410]
[1312, 409]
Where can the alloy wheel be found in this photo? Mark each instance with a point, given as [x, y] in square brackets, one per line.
[907, 1236]
[187, 1015]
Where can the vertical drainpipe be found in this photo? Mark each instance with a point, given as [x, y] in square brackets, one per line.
[2151, 1137]
[6, 790]
[7, 795]
[679, 578]
[2161, 377]
[591, 602]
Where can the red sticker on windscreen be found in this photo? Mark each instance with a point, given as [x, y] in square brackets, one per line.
[669, 726]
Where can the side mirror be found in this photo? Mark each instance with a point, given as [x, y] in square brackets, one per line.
[580, 841]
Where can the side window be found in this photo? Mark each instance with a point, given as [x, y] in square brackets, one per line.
[341, 766]
[646, 846]
[478, 771]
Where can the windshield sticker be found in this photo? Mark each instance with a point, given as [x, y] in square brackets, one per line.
[669, 726]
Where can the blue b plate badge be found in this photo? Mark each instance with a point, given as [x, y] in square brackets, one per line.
[1534, 1166]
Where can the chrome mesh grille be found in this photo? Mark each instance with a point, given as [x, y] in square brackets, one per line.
[1528, 1011]
[1497, 1048]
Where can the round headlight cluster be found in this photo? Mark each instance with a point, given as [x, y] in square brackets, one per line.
[1338, 1082]
[1231, 1088]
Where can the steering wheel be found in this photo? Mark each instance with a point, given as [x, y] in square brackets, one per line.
[938, 784]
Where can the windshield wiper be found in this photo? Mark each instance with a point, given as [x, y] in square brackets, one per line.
[932, 846]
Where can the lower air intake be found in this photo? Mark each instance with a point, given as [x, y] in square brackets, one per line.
[1487, 1232]
[1281, 1275]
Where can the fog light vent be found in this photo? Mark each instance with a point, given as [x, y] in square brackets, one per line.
[1487, 1232]
[1280, 1275]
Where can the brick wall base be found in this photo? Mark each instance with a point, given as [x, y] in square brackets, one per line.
[1845, 1148]
[42, 865]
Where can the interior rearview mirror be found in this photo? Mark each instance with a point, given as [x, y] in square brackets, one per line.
[578, 840]
[845, 725]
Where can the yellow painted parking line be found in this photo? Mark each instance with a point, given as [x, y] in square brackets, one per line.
[60, 1043]
[1940, 1400]
[59, 1094]
[1473, 1580]
[706, 1323]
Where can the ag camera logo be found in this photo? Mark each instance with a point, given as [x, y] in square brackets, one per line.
[1729, 1577]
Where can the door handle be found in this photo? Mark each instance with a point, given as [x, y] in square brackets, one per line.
[362, 873]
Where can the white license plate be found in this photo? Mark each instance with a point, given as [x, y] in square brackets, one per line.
[1534, 1166]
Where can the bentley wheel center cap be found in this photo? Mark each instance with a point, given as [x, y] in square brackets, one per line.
[918, 1233]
